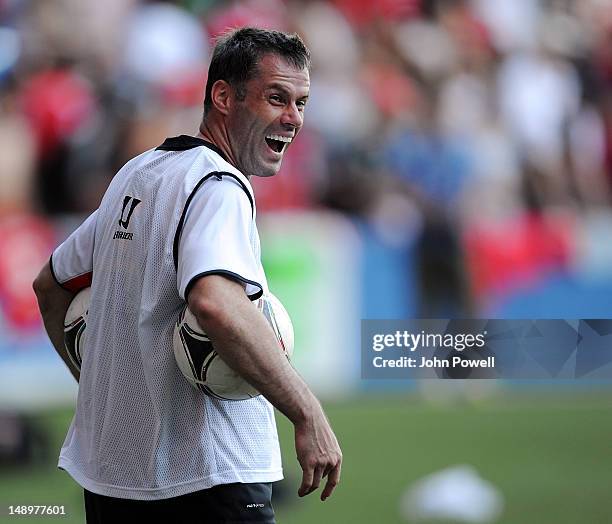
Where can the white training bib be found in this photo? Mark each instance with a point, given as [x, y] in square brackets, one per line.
[141, 431]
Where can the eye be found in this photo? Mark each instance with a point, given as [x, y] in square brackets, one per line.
[301, 104]
[276, 99]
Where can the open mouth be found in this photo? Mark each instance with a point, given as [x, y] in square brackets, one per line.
[278, 143]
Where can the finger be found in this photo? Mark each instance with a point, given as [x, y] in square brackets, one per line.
[316, 478]
[307, 475]
[332, 481]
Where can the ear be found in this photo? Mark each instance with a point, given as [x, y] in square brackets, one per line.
[220, 95]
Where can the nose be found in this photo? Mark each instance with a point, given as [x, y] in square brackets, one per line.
[292, 116]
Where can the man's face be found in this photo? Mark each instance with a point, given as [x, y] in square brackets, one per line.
[262, 126]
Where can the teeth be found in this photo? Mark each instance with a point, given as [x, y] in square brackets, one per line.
[286, 139]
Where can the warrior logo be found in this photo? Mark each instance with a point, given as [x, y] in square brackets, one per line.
[125, 220]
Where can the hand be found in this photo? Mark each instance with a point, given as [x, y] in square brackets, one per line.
[318, 453]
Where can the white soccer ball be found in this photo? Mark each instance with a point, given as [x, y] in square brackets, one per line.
[75, 323]
[202, 366]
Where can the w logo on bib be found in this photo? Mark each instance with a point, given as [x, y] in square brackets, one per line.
[124, 221]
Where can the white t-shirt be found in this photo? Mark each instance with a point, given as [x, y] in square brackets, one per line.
[141, 431]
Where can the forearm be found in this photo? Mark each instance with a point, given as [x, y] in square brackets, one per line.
[246, 342]
[53, 302]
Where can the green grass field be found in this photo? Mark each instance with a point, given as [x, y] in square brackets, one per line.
[550, 455]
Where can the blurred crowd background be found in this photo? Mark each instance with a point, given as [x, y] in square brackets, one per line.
[456, 161]
[472, 138]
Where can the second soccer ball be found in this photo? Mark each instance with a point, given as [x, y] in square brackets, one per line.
[203, 367]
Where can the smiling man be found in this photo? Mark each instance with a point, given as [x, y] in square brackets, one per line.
[178, 224]
[253, 111]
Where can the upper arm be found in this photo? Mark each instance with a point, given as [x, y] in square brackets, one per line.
[213, 296]
[71, 264]
[217, 239]
[46, 284]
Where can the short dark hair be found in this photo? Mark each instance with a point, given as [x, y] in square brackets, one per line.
[238, 52]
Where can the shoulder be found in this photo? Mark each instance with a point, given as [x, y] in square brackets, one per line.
[224, 188]
[218, 176]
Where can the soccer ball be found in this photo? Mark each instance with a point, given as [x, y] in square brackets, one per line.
[202, 366]
[75, 323]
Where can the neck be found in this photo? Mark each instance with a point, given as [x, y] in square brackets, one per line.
[217, 135]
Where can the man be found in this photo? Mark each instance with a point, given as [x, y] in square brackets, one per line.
[178, 223]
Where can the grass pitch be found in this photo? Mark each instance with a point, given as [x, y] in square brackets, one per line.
[550, 455]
